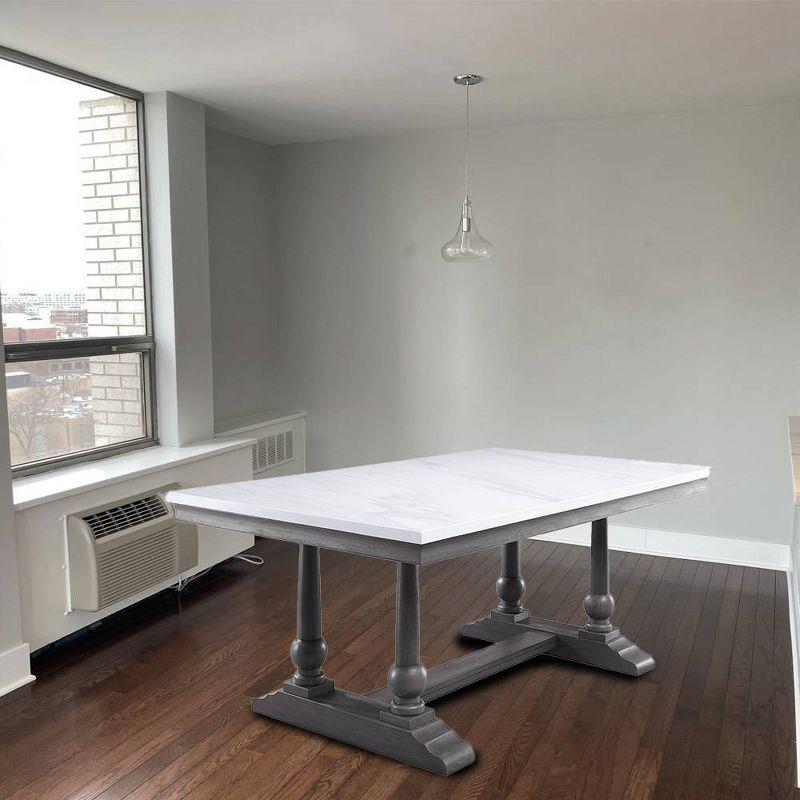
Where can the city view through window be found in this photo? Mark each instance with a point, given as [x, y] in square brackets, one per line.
[71, 264]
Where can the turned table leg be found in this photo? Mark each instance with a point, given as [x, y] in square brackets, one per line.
[407, 676]
[309, 649]
[596, 643]
[394, 721]
[510, 586]
[599, 604]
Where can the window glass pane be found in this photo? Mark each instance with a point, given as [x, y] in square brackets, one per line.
[69, 405]
[70, 211]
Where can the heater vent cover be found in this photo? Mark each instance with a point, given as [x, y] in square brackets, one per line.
[273, 450]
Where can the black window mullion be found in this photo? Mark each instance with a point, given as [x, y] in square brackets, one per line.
[16, 352]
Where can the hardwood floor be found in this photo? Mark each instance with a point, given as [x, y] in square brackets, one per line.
[154, 703]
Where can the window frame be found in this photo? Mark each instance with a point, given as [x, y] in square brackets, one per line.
[16, 352]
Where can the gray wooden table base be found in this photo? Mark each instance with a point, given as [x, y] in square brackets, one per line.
[596, 643]
[395, 720]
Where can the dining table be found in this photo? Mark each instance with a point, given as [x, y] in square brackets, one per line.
[422, 510]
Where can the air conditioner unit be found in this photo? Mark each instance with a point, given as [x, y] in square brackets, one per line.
[120, 549]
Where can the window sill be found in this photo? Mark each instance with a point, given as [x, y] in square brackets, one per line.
[36, 490]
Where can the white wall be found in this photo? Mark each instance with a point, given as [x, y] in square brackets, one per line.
[178, 213]
[241, 235]
[14, 662]
[642, 302]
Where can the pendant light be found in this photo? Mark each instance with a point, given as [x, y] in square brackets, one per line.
[467, 244]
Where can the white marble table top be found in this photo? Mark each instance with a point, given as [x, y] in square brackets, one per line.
[425, 500]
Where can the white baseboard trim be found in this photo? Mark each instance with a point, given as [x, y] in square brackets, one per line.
[15, 669]
[694, 546]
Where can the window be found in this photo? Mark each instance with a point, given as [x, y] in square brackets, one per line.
[73, 266]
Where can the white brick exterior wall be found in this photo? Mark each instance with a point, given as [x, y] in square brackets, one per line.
[113, 245]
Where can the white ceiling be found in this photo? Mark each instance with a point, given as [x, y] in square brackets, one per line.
[307, 71]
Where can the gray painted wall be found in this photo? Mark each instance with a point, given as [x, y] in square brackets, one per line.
[178, 215]
[241, 224]
[642, 302]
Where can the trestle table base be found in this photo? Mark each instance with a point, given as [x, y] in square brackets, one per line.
[395, 721]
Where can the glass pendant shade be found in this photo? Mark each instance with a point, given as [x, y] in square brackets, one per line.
[467, 244]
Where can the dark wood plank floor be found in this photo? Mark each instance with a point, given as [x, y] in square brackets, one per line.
[154, 703]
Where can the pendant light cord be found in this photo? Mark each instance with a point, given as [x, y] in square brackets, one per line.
[466, 155]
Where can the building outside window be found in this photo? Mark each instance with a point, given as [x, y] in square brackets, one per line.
[73, 266]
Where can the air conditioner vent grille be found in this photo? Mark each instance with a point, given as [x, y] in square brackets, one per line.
[125, 516]
[137, 565]
[272, 451]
